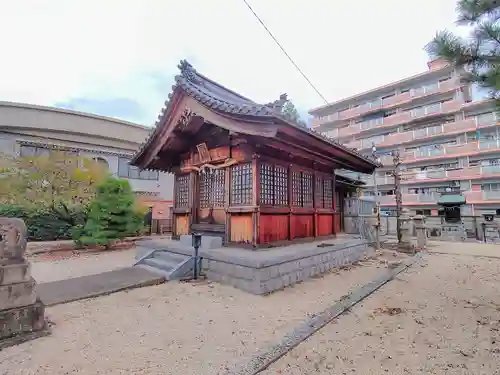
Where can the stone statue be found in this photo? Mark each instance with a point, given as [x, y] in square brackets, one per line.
[21, 313]
[12, 240]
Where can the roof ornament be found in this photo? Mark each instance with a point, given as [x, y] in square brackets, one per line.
[187, 71]
[278, 105]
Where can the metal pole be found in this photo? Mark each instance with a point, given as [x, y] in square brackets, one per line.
[377, 203]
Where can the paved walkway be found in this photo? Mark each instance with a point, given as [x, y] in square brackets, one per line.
[64, 291]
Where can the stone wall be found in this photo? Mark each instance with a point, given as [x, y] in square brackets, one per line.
[261, 278]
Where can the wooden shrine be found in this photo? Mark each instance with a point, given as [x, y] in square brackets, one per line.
[242, 170]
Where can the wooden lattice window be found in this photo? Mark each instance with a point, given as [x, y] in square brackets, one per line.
[280, 186]
[296, 188]
[266, 184]
[302, 189]
[241, 184]
[273, 185]
[182, 191]
[318, 192]
[327, 193]
[307, 189]
[212, 188]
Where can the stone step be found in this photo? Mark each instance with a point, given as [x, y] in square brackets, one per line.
[161, 264]
[155, 270]
[170, 256]
[207, 241]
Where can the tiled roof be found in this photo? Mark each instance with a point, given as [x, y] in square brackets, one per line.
[221, 99]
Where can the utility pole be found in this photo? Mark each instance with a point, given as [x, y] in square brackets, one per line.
[396, 160]
[375, 192]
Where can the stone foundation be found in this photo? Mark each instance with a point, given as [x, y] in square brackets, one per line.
[279, 270]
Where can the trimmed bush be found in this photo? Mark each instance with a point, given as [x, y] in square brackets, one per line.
[112, 214]
[45, 224]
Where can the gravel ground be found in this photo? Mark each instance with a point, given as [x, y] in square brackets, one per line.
[442, 317]
[175, 328]
[62, 266]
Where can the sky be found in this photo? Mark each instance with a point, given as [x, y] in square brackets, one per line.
[119, 58]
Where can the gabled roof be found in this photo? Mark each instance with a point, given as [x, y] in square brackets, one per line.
[225, 101]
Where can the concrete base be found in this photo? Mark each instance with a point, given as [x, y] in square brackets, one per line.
[261, 272]
[267, 271]
[21, 320]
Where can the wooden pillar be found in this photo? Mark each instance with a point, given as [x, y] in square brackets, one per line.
[227, 201]
[174, 215]
[193, 198]
[291, 229]
[255, 198]
[334, 202]
[315, 205]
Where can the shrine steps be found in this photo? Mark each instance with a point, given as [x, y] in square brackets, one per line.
[173, 259]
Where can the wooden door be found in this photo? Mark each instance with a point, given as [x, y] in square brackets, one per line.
[211, 197]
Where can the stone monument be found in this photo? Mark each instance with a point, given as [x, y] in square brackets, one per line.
[421, 230]
[406, 245]
[21, 312]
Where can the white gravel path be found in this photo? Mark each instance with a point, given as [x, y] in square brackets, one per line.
[44, 270]
[449, 324]
[175, 328]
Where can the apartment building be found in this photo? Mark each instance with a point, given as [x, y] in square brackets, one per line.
[447, 141]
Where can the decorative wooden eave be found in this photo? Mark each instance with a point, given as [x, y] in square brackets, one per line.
[196, 95]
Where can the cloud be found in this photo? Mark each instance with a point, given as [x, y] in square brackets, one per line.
[100, 52]
[123, 108]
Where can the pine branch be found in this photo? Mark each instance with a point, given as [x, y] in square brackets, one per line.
[472, 11]
[450, 47]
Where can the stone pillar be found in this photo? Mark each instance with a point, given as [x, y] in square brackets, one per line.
[420, 228]
[406, 245]
[21, 313]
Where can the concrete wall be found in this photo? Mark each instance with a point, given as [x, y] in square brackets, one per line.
[258, 278]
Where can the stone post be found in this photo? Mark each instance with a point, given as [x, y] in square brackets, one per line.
[420, 228]
[21, 313]
[406, 245]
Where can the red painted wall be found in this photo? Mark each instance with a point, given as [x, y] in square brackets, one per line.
[325, 225]
[273, 228]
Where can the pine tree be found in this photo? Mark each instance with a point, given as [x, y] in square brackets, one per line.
[112, 214]
[479, 54]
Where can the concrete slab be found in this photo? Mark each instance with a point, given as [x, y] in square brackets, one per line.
[70, 290]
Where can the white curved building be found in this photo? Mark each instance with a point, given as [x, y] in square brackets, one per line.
[32, 129]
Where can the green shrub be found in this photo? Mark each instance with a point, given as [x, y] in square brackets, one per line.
[112, 214]
[47, 224]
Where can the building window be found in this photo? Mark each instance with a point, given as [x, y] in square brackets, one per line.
[125, 170]
[102, 162]
[182, 191]
[273, 185]
[241, 184]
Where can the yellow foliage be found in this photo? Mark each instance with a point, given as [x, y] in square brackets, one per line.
[57, 177]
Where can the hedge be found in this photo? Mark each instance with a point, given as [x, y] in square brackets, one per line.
[44, 224]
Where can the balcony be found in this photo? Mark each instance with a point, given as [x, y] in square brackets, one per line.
[431, 153]
[390, 102]
[482, 196]
[430, 198]
[452, 174]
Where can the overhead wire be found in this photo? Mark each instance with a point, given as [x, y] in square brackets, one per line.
[284, 51]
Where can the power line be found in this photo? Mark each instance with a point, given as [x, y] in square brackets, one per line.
[283, 49]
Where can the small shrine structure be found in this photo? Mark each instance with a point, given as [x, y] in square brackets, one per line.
[244, 171]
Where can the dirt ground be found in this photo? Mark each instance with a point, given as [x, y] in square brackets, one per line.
[175, 328]
[442, 317]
